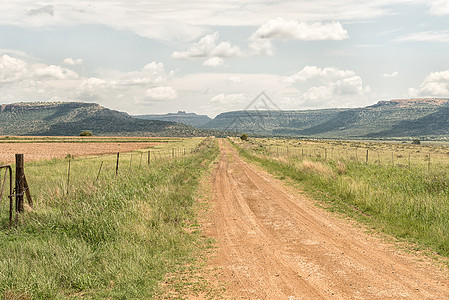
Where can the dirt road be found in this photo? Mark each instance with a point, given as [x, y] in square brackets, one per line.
[273, 243]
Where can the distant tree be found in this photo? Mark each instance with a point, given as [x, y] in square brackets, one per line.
[86, 133]
[416, 142]
[244, 137]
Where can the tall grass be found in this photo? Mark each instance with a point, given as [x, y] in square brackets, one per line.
[410, 203]
[112, 238]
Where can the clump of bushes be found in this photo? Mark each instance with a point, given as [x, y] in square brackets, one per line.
[86, 133]
[244, 137]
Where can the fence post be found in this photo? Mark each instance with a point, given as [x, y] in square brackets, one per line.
[19, 183]
[172, 152]
[116, 166]
[68, 177]
[98, 176]
[428, 165]
[140, 163]
[325, 153]
[149, 153]
[367, 155]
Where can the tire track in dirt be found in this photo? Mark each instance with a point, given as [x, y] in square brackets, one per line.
[273, 243]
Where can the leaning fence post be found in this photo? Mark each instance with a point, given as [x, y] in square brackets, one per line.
[19, 183]
[98, 176]
[116, 166]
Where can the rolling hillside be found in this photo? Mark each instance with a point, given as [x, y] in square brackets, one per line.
[70, 118]
[402, 118]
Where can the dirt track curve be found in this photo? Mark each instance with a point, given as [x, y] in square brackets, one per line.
[273, 243]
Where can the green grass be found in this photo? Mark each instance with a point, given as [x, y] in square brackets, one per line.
[408, 203]
[112, 238]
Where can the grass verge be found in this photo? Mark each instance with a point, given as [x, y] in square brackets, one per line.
[112, 238]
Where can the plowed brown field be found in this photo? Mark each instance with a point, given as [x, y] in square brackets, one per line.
[273, 243]
[38, 151]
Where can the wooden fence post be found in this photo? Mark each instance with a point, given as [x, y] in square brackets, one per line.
[367, 155]
[116, 166]
[20, 183]
[149, 156]
[68, 176]
[98, 176]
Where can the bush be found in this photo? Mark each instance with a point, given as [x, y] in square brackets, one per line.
[244, 137]
[416, 142]
[86, 133]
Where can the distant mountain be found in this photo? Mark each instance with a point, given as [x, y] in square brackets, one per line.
[403, 118]
[179, 117]
[70, 118]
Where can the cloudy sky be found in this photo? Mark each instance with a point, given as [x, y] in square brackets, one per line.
[211, 56]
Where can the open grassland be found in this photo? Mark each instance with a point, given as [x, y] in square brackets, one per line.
[396, 191]
[99, 235]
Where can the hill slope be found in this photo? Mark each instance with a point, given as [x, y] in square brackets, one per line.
[70, 118]
[396, 118]
[179, 117]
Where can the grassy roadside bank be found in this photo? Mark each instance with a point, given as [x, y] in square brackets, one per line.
[411, 204]
[114, 238]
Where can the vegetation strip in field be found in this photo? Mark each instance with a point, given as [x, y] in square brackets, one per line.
[410, 203]
[112, 238]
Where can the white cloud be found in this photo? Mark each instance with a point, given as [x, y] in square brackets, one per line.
[179, 20]
[214, 62]
[260, 42]
[16, 70]
[390, 75]
[426, 36]
[162, 93]
[12, 69]
[325, 83]
[436, 84]
[318, 92]
[73, 62]
[207, 47]
[439, 7]
[229, 98]
[55, 72]
[234, 79]
[312, 72]
[293, 30]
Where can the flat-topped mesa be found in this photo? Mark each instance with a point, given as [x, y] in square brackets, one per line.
[23, 106]
[413, 102]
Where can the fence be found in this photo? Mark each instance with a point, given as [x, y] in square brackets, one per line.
[386, 154]
[113, 164]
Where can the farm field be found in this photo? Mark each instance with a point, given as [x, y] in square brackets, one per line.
[42, 148]
[98, 231]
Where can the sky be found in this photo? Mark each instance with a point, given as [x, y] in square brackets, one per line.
[213, 56]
